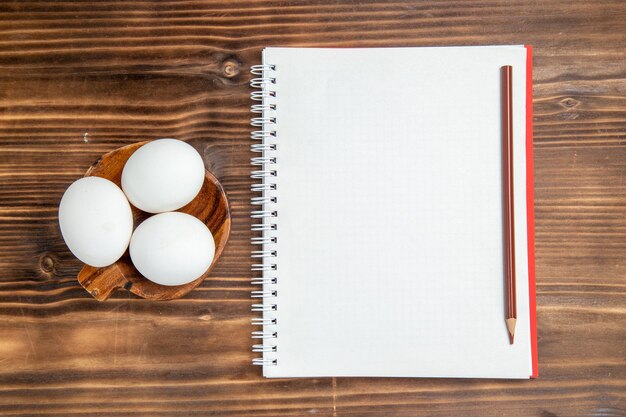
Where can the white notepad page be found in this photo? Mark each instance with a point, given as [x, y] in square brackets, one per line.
[389, 213]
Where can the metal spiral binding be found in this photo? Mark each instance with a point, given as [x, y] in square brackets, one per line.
[267, 200]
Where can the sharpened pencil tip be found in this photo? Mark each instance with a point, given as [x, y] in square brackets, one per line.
[510, 326]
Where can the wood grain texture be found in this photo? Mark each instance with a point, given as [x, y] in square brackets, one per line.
[80, 78]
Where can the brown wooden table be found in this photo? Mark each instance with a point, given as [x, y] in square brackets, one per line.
[80, 78]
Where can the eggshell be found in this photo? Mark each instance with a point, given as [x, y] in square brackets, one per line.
[172, 248]
[96, 221]
[163, 175]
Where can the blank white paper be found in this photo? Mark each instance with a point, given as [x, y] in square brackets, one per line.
[389, 201]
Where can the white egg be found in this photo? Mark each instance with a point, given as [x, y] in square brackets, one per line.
[172, 248]
[163, 175]
[96, 221]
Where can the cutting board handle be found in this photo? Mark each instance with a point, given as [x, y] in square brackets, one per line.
[101, 282]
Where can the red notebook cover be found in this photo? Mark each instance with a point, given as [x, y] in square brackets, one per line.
[530, 211]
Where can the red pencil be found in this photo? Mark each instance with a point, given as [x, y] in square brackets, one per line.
[507, 186]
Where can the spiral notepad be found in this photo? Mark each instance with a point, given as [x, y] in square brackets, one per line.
[378, 213]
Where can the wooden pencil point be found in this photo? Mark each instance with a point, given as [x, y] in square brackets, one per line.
[510, 325]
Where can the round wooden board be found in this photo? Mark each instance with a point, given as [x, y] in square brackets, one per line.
[210, 206]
